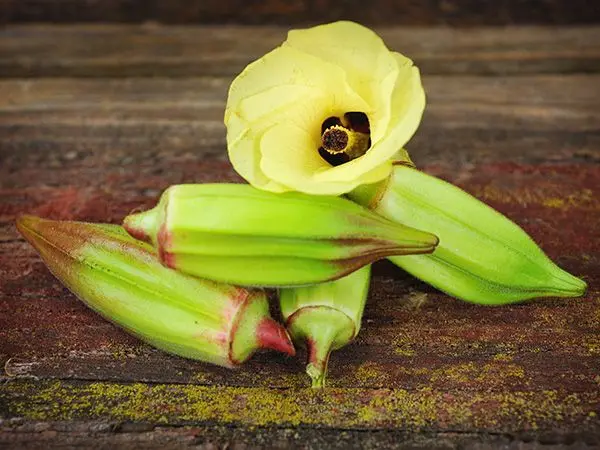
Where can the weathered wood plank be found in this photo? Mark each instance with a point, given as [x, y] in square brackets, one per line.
[89, 125]
[134, 50]
[36, 435]
[410, 410]
[455, 12]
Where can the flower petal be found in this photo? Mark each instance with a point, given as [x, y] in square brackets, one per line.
[243, 135]
[292, 166]
[285, 86]
[285, 67]
[370, 68]
[408, 103]
[286, 160]
[244, 154]
[290, 156]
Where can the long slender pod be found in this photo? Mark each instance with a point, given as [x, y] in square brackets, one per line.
[483, 257]
[238, 234]
[122, 279]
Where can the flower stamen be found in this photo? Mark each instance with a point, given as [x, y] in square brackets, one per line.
[339, 139]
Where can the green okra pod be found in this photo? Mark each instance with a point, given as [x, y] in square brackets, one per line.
[325, 317]
[482, 257]
[122, 279]
[238, 234]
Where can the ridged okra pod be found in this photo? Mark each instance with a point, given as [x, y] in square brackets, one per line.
[238, 234]
[122, 279]
[325, 317]
[482, 257]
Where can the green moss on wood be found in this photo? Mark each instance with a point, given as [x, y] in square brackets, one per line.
[361, 408]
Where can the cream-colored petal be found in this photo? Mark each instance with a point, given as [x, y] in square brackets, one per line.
[285, 66]
[290, 153]
[408, 102]
[292, 166]
[307, 111]
[370, 68]
[244, 139]
[244, 154]
[278, 100]
[286, 161]
[381, 112]
[243, 146]
[236, 126]
[350, 46]
[273, 186]
[286, 86]
[376, 174]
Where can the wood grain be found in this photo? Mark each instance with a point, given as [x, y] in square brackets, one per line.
[35, 435]
[427, 371]
[153, 50]
[141, 124]
[403, 12]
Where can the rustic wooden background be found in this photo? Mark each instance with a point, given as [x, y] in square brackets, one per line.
[98, 119]
[288, 12]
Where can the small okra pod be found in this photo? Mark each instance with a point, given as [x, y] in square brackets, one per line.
[122, 279]
[239, 234]
[482, 257]
[325, 317]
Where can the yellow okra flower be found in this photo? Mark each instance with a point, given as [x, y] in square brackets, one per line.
[324, 112]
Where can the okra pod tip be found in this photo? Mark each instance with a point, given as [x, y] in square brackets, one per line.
[323, 329]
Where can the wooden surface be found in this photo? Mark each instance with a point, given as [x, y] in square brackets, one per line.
[150, 50]
[89, 135]
[287, 12]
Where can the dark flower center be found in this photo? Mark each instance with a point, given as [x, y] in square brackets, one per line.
[335, 139]
[344, 139]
